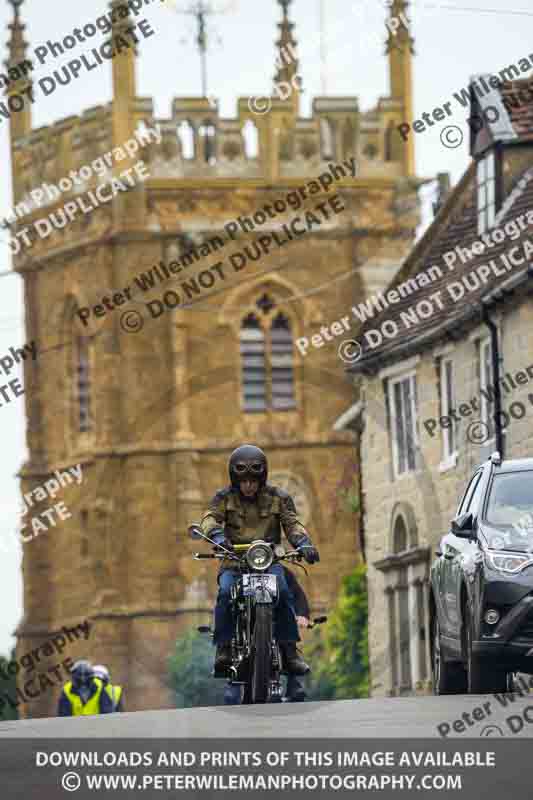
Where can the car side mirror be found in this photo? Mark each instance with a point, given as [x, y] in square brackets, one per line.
[463, 526]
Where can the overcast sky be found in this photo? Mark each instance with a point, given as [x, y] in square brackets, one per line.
[453, 40]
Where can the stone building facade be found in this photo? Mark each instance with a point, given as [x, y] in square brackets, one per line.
[455, 324]
[151, 403]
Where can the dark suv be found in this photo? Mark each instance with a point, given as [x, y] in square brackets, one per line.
[481, 607]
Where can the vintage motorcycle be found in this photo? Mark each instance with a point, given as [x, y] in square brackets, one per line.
[256, 661]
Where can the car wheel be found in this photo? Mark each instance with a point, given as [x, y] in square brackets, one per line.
[447, 678]
[482, 676]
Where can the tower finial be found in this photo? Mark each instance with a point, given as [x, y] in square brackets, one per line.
[286, 62]
[17, 84]
[400, 50]
[17, 46]
[399, 27]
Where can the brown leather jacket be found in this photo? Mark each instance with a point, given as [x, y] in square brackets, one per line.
[261, 518]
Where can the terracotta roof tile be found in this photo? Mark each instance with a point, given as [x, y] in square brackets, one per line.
[455, 227]
[518, 99]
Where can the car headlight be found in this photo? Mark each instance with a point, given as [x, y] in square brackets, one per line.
[260, 556]
[508, 562]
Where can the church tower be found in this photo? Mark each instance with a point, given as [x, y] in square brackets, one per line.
[241, 253]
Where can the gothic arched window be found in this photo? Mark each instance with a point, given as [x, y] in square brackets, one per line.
[83, 385]
[266, 344]
[406, 570]
[400, 539]
[282, 373]
[400, 535]
[253, 365]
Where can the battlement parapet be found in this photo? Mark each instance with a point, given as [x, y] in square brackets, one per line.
[197, 143]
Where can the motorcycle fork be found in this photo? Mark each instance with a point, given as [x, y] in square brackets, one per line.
[243, 632]
[249, 625]
[276, 689]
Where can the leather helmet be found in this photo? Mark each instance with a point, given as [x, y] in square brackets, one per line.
[248, 462]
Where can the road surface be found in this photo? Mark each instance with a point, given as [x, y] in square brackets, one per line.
[417, 717]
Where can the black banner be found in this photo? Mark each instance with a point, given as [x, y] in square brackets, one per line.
[218, 768]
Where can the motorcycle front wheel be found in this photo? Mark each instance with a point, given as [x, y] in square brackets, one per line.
[261, 656]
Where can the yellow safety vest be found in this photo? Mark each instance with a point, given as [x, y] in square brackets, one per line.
[92, 706]
[114, 693]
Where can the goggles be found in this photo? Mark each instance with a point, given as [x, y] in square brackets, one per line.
[256, 468]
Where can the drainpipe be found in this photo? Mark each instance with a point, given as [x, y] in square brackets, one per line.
[496, 373]
[362, 537]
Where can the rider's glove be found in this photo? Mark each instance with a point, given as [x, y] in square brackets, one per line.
[225, 544]
[310, 553]
[221, 542]
[217, 535]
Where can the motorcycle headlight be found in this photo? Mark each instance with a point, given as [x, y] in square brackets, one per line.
[260, 556]
[508, 562]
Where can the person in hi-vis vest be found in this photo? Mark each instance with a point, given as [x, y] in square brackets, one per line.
[84, 695]
[115, 692]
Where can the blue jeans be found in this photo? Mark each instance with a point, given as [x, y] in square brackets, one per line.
[285, 627]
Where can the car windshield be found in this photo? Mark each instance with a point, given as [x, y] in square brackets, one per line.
[510, 507]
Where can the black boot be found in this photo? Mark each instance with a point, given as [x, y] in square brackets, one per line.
[223, 656]
[292, 660]
[295, 690]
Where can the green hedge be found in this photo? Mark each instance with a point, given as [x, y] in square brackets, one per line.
[190, 669]
[338, 652]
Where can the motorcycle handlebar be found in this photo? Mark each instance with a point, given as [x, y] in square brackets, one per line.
[198, 556]
[293, 555]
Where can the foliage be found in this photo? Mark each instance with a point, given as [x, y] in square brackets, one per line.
[320, 684]
[8, 686]
[190, 669]
[339, 656]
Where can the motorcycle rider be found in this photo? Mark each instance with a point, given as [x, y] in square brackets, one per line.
[115, 692]
[251, 509]
[84, 695]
